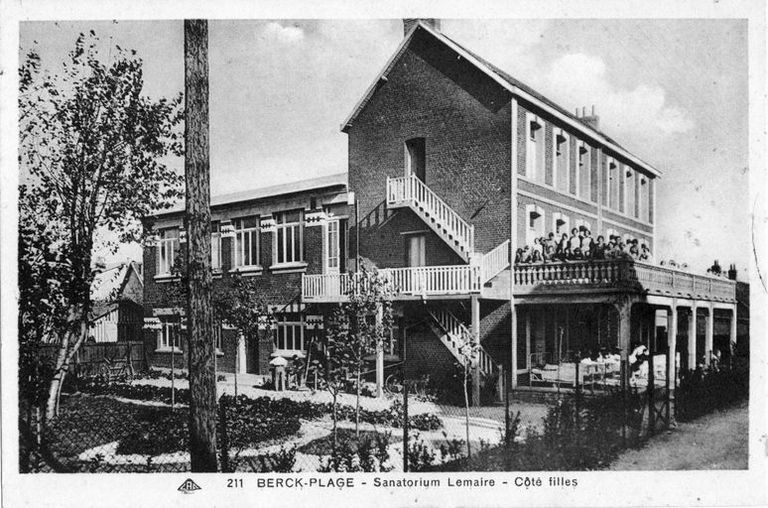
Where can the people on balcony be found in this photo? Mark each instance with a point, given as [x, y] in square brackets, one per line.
[580, 245]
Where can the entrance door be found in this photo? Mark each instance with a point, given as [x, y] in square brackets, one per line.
[416, 158]
[416, 247]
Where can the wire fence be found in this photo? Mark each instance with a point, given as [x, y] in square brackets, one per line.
[114, 425]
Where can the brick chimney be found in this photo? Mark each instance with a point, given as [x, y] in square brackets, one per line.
[409, 23]
[732, 272]
[591, 120]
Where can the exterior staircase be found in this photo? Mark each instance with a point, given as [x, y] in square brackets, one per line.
[454, 334]
[409, 191]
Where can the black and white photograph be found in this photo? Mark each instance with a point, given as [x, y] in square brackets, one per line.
[476, 258]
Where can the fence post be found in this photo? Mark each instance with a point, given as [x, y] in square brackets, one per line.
[507, 383]
[405, 405]
[224, 444]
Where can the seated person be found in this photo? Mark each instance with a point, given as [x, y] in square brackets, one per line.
[562, 248]
[587, 242]
[550, 249]
[576, 254]
[634, 251]
[519, 256]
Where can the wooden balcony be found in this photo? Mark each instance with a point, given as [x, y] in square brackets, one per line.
[620, 275]
[407, 283]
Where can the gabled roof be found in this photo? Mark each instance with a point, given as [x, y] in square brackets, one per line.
[334, 180]
[108, 285]
[504, 80]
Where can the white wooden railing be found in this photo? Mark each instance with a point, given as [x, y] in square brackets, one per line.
[627, 273]
[413, 192]
[493, 262]
[456, 335]
[421, 281]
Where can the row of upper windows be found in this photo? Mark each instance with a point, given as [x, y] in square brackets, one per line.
[625, 190]
[287, 243]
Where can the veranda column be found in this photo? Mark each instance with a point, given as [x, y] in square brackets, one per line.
[379, 355]
[708, 336]
[692, 337]
[625, 330]
[515, 338]
[672, 344]
[476, 337]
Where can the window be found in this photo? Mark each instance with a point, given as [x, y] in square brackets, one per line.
[167, 250]
[629, 189]
[289, 237]
[416, 250]
[534, 223]
[613, 185]
[643, 198]
[561, 165]
[216, 246]
[217, 337]
[334, 246]
[169, 335]
[290, 332]
[534, 153]
[583, 173]
[623, 189]
[246, 241]
[560, 224]
[416, 158]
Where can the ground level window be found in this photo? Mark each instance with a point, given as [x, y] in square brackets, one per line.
[169, 335]
[290, 332]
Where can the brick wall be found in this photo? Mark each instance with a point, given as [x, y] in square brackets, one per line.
[275, 287]
[467, 147]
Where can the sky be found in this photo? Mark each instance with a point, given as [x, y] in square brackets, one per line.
[673, 92]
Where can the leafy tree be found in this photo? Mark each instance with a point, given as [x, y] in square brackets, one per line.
[93, 152]
[355, 330]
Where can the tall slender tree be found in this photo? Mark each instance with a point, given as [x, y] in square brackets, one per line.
[93, 153]
[202, 369]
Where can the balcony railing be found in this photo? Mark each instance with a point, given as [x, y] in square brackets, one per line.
[421, 281]
[623, 274]
[550, 278]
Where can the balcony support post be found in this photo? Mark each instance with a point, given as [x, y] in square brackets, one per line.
[513, 353]
[672, 346]
[709, 335]
[692, 337]
[624, 309]
[475, 304]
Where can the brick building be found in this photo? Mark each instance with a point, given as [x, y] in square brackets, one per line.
[274, 235]
[455, 165]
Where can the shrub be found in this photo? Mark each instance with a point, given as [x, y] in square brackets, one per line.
[703, 390]
[281, 461]
[370, 454]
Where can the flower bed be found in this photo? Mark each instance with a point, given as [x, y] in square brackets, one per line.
[308, 410]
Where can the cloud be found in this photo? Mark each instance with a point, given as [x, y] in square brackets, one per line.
[286, 34]
[578, 79]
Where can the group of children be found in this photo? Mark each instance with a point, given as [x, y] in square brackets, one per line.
[580, 246]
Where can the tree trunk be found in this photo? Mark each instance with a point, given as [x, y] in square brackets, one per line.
[66, 352]
[202, 377]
